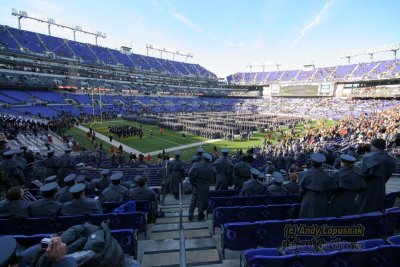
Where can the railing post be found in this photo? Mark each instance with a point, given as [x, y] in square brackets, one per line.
[182, 249]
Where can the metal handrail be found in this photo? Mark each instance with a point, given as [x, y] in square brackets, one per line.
[182, 249]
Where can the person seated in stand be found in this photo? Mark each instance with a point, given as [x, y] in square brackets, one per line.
[103, 182]
[81, 179]
[115, 192]
[276, 187]
[64, 195]
[14, 205]
[48, 206]
[55, 253]
[254, 185]
[51, 179]
[142, 192]
[292, 186]
[81, 205]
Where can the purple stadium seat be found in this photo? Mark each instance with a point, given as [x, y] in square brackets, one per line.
[314, 259]
[275, 261]
[247, 256]
[370, 243]
[300, 249]
[395, 240]
[239, 236]
[271, 233]
[127, 239]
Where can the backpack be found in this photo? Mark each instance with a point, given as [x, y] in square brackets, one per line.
[186, 186]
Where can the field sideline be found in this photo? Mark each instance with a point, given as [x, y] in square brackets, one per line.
[170, 139]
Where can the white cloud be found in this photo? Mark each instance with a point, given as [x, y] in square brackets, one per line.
[312, 24]
[187, 22]
[226, 42]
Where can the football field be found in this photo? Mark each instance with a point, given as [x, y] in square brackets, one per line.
[153, 141]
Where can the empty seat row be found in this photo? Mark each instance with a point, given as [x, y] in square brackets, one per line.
[361, 253]
[278, 233]
[215, 202]
[224, 215]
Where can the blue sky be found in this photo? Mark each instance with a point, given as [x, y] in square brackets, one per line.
[226, 35]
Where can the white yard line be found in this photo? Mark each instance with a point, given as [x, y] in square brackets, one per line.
[185, 146]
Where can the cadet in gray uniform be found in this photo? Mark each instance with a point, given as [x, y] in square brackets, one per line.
[3, 148]
[64, 195]
[292, 186]
[201, 175]
[66, 166]
[81, 179]
[50, 179]
[81, 205]
[12, 169]
[277, 188]
[316, 186]
[18, 157]
[352, 152]
[197, 157]
[253, 186]
[241, 171]
[55, 254]
[48, 206]
[142, 192]
[349, 182]
[224, 169]
[14, 205]
[376, 167]
[269, 169]
[50, 163]
[115, 192]
[103, 182]
[176, 173]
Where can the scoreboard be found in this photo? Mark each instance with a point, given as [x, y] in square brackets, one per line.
[324, 89]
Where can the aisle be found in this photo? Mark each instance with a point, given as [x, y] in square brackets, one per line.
[161, 247]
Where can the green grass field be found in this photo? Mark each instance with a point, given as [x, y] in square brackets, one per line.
[148, 143]
[171, 139]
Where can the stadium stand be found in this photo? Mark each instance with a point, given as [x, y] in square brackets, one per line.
[50, 85]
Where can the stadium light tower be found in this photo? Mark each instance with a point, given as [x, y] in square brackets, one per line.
[49, 21]
[263, 65]
[372, 51]
[169, 51]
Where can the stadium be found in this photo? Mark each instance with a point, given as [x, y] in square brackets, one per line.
[111, 157]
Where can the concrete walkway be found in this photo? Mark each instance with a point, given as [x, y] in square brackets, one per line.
[115, 143]
[186, 146]
[129, 149]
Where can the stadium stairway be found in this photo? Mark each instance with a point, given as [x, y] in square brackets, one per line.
[161, 246]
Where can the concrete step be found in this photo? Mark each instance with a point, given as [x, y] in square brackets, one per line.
[194, 257]
[167, 220]
[174, 234]
[199, 251]
[225, 263]
[186, 225]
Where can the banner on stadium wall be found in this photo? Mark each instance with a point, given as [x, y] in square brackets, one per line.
[275, 90]
[266, 91]
[326, 89]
